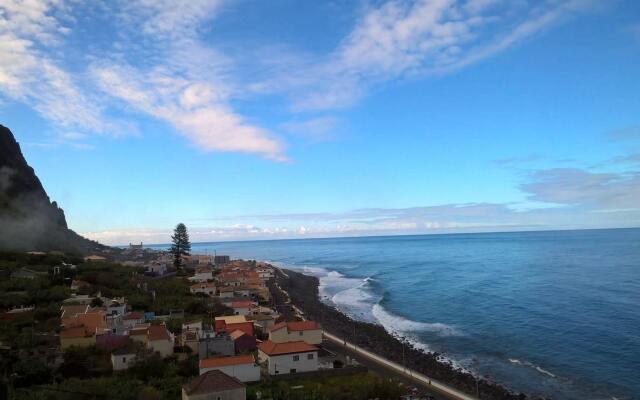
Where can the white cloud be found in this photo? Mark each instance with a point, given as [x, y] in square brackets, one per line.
[399, 39]
[190, 107]
[28, 31]
[580, 188]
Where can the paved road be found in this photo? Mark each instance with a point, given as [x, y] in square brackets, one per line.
[438, 389]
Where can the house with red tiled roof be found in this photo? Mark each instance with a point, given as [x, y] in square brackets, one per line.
[232, 323]
[243, 367]
[156, 338]
[160, 340]
[288, 357]
[214, 385]
[77, 336]
[307, 331]
[242, 307]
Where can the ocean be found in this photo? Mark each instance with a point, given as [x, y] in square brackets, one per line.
[553, 313]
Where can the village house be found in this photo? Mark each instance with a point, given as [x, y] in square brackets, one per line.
[226, 292]
[115, 306]
[155, 337]
[157, 268]
[160, 340]
[122, 359]
[81, 336]
[221, 260]
[288, 357]
[207, 288]
[215, 345]
[243, 367]
[133, 319]
[231, 323]
[94, 323]
[307, 331]
[214, 385]
[242, 307]
[202, 275]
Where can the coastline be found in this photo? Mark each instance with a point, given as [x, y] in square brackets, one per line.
[302, 291]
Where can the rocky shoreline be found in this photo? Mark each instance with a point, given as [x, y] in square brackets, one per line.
[303, 293]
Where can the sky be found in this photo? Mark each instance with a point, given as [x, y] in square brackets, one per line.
[254, 119]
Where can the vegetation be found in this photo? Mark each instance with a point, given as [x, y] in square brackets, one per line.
[181, 245]
[352, 387]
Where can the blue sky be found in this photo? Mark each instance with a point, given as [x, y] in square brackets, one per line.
[251, 119]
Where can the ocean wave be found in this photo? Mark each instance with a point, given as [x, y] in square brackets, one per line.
[531, 365]
[398, 325]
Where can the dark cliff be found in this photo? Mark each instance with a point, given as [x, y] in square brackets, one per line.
[29, 220]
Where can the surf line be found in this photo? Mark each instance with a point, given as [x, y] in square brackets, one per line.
[386, 363]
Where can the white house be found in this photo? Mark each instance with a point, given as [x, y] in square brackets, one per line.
[207, 288]
[201, 276]
[243, 368]
[157, 268]
[307, 331]
[122, 359]
[242, 307]
[195, 326]
[289, 357]
[264, 272]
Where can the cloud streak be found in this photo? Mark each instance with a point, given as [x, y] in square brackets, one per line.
[565, 199]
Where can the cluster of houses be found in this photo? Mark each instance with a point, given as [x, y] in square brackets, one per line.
[289, 348]
[235, 349]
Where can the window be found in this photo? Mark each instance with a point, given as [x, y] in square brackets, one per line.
[301, 333]
[296, 358]
[124, 359]
[310, 356]
[292, 371]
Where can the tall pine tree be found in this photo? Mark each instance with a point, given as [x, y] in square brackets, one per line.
[181, 245]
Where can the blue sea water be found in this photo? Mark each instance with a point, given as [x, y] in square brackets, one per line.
[553, 313]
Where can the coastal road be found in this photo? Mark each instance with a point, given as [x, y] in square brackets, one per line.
[438, 388]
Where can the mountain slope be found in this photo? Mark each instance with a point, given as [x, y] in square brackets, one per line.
[28, 219]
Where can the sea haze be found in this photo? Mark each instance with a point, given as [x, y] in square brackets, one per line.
[551, 313]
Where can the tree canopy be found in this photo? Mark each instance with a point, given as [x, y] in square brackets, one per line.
[181, 245]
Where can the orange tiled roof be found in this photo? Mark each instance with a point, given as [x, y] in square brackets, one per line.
[158, 332]
[296, 326]
[241, 304]
[224, 361]
[75, 332]
[275, 349]
[203, 285]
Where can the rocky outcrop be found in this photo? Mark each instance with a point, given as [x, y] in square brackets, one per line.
[29, 220]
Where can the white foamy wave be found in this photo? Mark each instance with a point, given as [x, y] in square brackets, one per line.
[398, 325]
[357, 301]
[531, 365]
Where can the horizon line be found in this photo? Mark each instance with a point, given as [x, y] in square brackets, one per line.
[394, 235]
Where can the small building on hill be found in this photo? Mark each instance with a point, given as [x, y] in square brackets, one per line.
[289, 357]
[307, 331]
[214, 385]
[244, 367]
